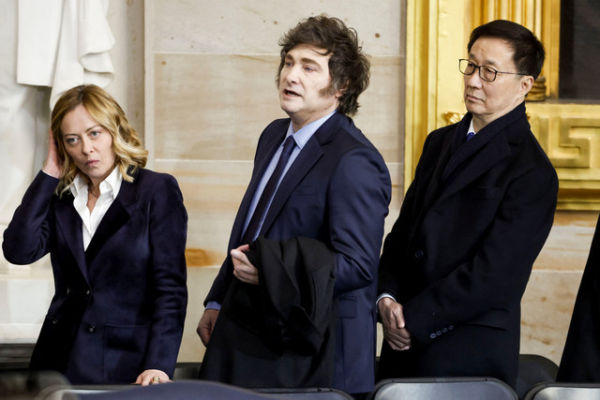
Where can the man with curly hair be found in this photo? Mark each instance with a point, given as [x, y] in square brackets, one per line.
[319, 189]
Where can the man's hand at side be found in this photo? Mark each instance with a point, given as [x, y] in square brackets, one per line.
[242, 267]
[394, 327]
[207, 325]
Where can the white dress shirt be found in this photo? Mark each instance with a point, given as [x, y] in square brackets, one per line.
[109, 189]
[471, 128]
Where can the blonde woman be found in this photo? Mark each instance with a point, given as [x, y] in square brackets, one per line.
[116, 236]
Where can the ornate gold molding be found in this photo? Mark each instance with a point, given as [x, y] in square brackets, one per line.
[570, 135]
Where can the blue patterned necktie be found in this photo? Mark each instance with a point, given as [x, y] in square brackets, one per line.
[469, 136]
[260, 211]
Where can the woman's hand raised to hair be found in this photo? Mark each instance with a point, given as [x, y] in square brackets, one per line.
[52, 165]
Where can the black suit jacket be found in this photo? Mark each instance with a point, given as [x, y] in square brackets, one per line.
[460, 254]
[337, 191]
[278, 333]
[580, 360]
[118, 307]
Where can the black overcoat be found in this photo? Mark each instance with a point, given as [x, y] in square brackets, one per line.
[281, 332]
[460, 254]
[581, 356]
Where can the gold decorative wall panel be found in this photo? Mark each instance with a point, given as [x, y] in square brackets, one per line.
[570, 135]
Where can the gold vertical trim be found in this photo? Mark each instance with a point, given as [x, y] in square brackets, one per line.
[550, 36]
[418, 54]
[542, 17]
[435, 39]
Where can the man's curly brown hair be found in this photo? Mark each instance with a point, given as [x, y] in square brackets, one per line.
[348, 66]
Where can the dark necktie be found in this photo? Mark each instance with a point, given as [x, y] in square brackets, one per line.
[469, 136]
[267, 195]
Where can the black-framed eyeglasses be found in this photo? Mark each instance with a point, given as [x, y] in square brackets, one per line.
[488, 74]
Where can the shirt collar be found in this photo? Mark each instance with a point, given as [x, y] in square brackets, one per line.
[303, 135]
[111, 184]
[471, 129]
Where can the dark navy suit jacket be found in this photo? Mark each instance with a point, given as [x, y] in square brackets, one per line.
[337, 191]
[459, 256]
[118, 307]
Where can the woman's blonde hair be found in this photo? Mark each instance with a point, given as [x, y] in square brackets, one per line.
[126, 143]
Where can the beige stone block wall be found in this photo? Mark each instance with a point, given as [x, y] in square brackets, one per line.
[126, 20]
[206, 130]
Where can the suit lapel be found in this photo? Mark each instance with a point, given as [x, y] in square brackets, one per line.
[116, 216]
[310, 154]
[69, 223]
[472, 168]
[469, 149]
[302, 164]
[476, 157]
[483, 140]
[263, 159]
[439, 161]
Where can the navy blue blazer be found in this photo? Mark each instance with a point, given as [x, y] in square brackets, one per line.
[337, 191]
[459, 256]
[119, 306]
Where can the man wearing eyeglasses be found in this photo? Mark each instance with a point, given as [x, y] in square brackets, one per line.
[478, 212]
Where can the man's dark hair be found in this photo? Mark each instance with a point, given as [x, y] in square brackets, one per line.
[348, 66]
[528, 50]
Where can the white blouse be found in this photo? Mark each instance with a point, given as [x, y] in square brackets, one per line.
[109, 189]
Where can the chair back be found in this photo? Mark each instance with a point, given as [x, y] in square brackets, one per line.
[307, 394]
[83, 391]
[186, 370]
[533, 370]
[564, 391]
[443, 389]
[197, 390]
[38, 385]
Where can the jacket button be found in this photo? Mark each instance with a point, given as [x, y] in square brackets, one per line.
[439, 333]
[445, 330]
[432, 336]
[54, 321]
[451, 327]
[91, 329]
[68, 291]
[419, 253]
[87, 292]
